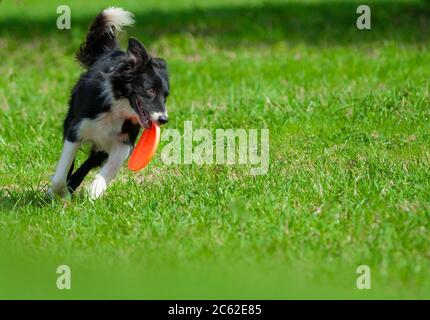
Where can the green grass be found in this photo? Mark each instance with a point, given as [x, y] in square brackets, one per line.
[349, 178]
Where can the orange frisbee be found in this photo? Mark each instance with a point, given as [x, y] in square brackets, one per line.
[145, 148]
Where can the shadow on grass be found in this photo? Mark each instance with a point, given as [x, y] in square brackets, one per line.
[11, 200]
[321, 23]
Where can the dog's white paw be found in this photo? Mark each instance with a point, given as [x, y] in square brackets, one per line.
[97, 187]
[58, 189]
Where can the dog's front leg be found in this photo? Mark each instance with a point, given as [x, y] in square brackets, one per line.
[114, 162]
[58, 186]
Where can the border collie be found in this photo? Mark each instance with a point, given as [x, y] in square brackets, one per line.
[119, 92]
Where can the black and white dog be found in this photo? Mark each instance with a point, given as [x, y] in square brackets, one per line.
[119, 93]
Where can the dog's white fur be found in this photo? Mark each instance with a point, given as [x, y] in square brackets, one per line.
[105, 130]
[118, 17]
[109, 170]
[58, 186]
[157, 115]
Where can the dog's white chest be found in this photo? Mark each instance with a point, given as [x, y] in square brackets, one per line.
[105, 130]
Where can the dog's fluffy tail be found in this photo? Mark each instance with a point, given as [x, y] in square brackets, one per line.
[101, 35]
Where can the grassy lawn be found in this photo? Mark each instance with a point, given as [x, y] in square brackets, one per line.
[349, 177]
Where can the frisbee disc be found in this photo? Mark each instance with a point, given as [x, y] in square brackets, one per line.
[145, 148]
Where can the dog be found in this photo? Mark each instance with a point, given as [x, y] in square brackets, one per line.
[119, 93]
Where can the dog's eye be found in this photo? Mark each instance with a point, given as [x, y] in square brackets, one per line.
[151, 92]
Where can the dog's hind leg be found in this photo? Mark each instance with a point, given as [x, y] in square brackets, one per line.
[95, 159]
[58, 185]
[109, 170]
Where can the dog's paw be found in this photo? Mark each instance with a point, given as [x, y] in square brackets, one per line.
[58, 190]
[97, 187]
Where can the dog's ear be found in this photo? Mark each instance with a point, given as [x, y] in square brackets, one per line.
[137, 52]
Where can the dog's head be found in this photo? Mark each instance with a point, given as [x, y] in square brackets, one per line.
[144, 80]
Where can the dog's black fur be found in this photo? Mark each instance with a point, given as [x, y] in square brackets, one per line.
[112, 74]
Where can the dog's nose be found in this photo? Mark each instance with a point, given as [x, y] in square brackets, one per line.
[162, 119]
